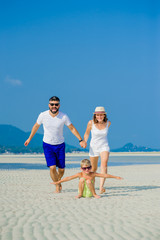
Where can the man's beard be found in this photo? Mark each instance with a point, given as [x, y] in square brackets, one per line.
[54, 111]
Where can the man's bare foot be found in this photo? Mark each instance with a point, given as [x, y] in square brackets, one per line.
[102, 190]
[79, 196]
[96, 196]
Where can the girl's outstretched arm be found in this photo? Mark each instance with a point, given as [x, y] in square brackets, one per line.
[107, 176]
[66, 179]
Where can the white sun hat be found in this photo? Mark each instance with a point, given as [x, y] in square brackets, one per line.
[99, 110]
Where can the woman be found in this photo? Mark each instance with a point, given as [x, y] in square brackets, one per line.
[99, 144]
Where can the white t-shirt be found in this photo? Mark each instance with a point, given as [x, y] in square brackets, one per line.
[53, 127]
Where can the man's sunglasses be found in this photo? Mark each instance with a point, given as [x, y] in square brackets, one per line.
[54, 104]
[84, 168]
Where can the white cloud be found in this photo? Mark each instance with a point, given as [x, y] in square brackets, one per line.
[14, 82]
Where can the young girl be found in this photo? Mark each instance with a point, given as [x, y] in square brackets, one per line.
[86, 180]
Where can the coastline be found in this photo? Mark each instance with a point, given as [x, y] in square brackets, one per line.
[85, 154]
[119, 154]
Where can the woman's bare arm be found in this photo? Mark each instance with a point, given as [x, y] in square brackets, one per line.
[88, 129]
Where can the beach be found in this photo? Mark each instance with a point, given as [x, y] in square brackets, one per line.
[128, 210]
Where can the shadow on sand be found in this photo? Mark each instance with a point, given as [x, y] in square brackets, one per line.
[117, 191]
[125, 190]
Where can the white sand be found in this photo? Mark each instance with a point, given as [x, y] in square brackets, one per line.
[129, 210]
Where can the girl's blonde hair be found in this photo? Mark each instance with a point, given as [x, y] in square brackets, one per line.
[85, 162]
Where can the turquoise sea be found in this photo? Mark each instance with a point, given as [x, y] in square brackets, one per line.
[38, 162]
[120, 160]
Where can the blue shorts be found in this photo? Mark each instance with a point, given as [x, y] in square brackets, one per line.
[54, 154]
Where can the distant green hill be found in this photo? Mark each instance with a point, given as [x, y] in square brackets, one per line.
[12, 140]
[129, 147]
[13, 136]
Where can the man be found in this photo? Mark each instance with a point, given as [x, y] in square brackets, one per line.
[53, 141]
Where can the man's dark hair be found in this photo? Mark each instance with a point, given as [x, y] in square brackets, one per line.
[54, 98]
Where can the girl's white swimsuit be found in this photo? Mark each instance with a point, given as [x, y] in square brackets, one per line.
[99, 141]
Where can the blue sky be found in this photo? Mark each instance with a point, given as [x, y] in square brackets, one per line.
[89, 53]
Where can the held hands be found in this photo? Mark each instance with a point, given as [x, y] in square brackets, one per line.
[83, 144]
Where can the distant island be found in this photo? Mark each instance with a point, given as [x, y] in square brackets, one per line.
[12, 140]
[130, 147]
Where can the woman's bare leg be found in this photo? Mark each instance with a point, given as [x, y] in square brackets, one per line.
[104, 161]
[94, 163]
